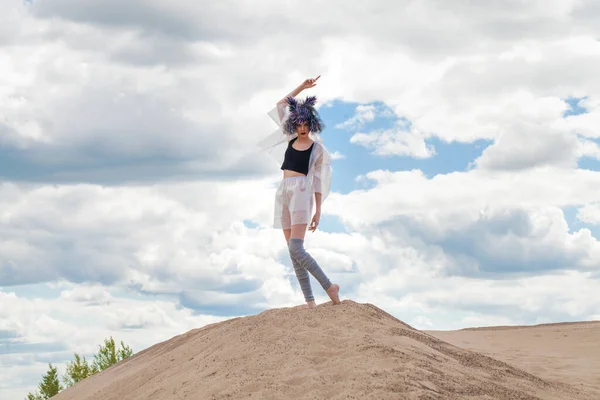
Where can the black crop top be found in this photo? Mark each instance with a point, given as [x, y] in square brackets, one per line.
[297, 160]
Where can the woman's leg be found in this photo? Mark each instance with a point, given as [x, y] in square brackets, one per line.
[283, 219]
[307, 262]
[301, 274]
[287, 233]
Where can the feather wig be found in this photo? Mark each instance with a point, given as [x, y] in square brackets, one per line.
[303, 112]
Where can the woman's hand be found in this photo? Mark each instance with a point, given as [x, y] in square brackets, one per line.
[309, 83]
[315, 221]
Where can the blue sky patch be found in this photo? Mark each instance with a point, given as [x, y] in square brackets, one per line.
[358, 160]
[33, 291]
[589, 163]
[575, 107]
[575, 224]
[14, 347]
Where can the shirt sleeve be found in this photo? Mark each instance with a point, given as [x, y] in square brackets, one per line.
[278, 114]
[275, 143]
[321, 181]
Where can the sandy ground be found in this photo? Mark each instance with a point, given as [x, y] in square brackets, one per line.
[568, 352]
[348, 351]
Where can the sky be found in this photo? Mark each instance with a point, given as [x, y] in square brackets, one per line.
[134, 201]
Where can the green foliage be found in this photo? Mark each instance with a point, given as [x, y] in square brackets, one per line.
[34, 396]
[48, 387]
[79, 369]
[109, 354]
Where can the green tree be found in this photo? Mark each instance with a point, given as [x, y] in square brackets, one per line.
[49, 386]
[77, 370]
[109, 354]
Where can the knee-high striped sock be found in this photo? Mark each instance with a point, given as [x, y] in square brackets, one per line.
[305, 260]
[304, 280]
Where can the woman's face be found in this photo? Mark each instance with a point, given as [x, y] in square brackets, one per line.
[302, 128]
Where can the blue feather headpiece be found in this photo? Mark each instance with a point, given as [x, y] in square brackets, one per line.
[303, 112]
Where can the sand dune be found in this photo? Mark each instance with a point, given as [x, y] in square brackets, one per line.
[568, 352]
[350, 351]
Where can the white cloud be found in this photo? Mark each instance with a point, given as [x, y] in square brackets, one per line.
[177, 232]
[411, 193]
[401, 140]
[396, 141]
[586, 124]
[364, 114]
[119, 105]
[89, 295]
[529, 146]
[170, 83]
[589, 213]
[336, 155]
[501, 91]
[588, 148]
[421, 322]
[477, 223]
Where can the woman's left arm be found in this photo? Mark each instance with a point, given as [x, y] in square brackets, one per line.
[317, 189]
[315, 219]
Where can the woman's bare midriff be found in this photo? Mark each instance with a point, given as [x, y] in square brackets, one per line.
[289, 173]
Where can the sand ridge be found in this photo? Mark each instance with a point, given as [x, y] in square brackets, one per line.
[565, 351]
[346, 351]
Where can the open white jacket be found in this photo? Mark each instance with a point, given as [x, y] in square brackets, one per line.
[319, 166]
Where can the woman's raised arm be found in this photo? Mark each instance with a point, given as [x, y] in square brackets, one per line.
[308, 83]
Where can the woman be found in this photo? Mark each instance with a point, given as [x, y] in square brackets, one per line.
[306, 166]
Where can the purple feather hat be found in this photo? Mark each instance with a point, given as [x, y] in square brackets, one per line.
[303, 112]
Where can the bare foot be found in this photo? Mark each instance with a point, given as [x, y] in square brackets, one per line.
[309, 304]
[332, 292]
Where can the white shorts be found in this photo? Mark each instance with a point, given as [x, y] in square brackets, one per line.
[293, 203]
